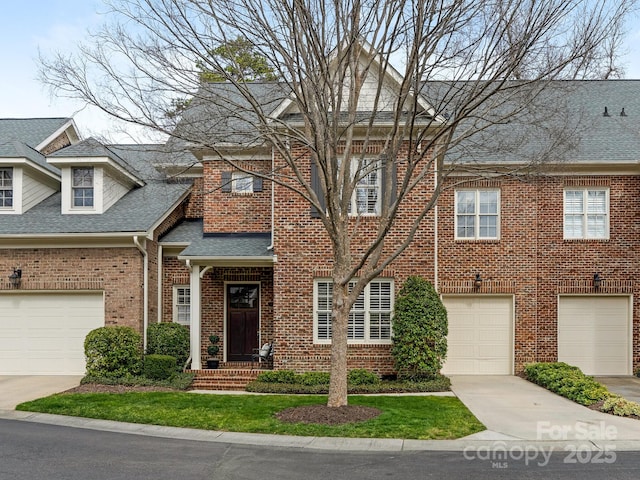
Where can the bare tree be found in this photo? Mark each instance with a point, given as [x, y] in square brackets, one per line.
[426, 79]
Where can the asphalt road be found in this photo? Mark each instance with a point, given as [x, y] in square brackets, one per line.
[30, 451]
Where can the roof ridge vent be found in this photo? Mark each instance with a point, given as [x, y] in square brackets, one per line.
[606, 112]
[623, 113]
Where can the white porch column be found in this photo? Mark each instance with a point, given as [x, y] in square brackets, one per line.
[196, 360]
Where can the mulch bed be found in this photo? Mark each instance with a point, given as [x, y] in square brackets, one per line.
[327, 415]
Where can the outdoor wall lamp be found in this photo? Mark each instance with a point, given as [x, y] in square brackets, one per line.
[477, 282]
[15, 277]
[597, 280]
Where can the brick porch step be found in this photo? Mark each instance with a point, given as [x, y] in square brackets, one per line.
[225, 378]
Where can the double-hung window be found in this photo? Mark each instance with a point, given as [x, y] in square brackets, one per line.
[6, 187]
[182, 304]
[586, 213]
[477, 214]
[82, 186]
[366, 197]
[370, 316]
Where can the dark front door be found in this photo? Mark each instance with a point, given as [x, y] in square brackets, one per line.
[243, 318]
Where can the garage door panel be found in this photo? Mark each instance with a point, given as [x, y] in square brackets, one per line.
[51, 332]
[480, 335]
[593, 333]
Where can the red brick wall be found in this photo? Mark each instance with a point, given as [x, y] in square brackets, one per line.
[232, 212]
[116, 271]
[304, 253]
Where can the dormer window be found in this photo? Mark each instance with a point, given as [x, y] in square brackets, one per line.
[82, 187]
[6, 187]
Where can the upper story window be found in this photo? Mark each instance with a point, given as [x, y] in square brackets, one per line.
[241, 182]
[182, 304]
[586, 213]
[82, 186]
[477, 214]
[366, 198]
[370, 316]
[6, 187]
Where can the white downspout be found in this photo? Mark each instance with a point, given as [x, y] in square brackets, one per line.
[145, 291]
[273, 205]
[160, 284]
[435, 232]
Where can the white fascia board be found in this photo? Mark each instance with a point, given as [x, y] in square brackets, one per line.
[231, 261]
[67, 241]
[94, 161]
[60, 131]
[22, 161]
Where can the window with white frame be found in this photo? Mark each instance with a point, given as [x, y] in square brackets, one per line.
[82, 187]
[367, 195]
[6, 187]
[477, 214]
[241, 182]
[586, 213]
[370, 316]
[182, 304]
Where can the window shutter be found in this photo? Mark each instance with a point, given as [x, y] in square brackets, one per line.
[257, 184]
[226, 182]
[394, 175]
[316, 185]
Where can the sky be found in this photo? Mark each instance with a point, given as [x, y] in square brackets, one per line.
[30, 26]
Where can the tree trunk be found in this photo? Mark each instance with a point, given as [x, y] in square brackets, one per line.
[339, 334]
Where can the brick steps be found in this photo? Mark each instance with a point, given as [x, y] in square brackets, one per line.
[224, 378]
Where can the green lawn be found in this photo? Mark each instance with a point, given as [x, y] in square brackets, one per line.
[416, 417]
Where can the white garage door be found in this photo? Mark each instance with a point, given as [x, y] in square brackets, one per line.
[43, 333]
[593, 334]
[480, 335]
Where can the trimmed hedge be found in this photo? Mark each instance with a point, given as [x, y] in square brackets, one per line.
[159, 367]
[178, 381]
[567, 381]
[113, 352]
[267, 382]
[169, 339]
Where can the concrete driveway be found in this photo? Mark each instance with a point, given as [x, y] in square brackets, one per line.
[628, 387]
[15, 389]
[514, 409]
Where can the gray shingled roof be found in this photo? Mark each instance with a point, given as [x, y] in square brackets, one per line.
[137, 211]
[32, 131]
[17, 149]
[564, 122]
[217, 244]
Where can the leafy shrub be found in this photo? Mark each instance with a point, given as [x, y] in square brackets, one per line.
[169, 339]
[360, 376]
[159, 367]
[113, 352]
[313, 378]
[178, 381]
[213, 349]
[419, 331]
[620, 406]
[277, 376]
[568, 381]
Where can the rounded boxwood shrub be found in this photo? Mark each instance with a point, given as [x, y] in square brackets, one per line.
[419, 331]
[313, 378]
[159, 367]
[360, 376]
[169, 339]
[113, 352]
[277, 376]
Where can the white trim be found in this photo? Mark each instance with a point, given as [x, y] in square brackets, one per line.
[174, 308]
[477, 214]
[196, 321]
[367, 312]
[585, 213]
[97, 162]
[58, 132]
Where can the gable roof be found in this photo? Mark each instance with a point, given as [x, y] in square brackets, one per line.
[32, 131]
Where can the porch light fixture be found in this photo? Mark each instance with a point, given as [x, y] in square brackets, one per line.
[597, 280]
[477, 282]
[15, 277]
